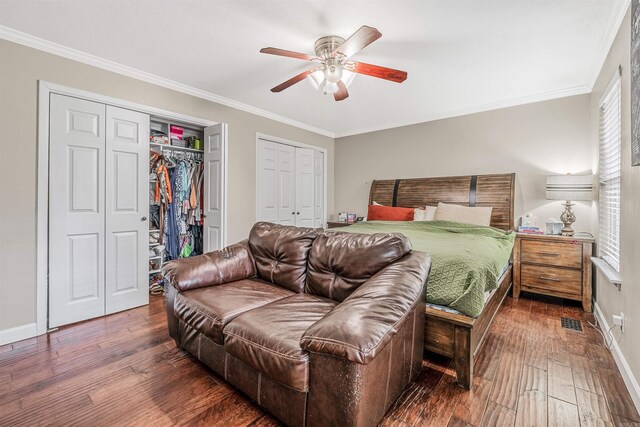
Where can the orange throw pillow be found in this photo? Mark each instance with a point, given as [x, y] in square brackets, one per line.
[389, 213]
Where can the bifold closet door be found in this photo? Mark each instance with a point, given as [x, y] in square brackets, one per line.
[76, 210]
[98, 209]
[214, 137]
[127, 209]
[275, 182]
[286, 184]
[318, 173]
[305, 187]
[289, 184]
[267, 181]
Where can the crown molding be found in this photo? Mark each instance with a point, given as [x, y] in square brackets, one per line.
[25, 39]
[511, 102]
[29, 40]
[607, 40]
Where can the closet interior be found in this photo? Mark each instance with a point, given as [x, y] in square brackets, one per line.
[176, 195]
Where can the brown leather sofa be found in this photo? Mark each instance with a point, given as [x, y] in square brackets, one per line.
[321, 329]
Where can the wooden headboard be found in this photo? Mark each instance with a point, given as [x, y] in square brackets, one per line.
[496, 191]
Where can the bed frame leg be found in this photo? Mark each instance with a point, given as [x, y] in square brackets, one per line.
[463, 358]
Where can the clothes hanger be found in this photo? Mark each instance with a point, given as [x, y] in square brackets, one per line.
[169, 163]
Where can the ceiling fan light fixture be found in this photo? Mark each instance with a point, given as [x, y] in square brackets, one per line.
[333, 70]
[330, 87]
[347, 77]
[316, 79]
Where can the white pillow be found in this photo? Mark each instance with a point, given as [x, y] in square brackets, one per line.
[376, 203]
[426, 214]
[466, 215]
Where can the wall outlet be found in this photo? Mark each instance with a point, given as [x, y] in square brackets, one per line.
[618, 320]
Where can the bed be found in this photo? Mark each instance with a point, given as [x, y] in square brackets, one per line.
[449, 331]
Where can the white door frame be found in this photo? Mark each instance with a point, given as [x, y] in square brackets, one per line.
[42, 201]
[260, 135]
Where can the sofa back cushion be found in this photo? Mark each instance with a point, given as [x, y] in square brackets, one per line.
[340, 262]
[281, 253]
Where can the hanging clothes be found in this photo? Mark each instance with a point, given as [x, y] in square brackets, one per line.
[171, 227]
[163, 187]
[179, 190]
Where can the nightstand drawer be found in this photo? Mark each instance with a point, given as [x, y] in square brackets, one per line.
[555, 279]
[562, 254]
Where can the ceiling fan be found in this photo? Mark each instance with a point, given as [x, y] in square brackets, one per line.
[334, 71]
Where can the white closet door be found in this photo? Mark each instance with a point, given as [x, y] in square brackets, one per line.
[318, 175]
[286, 184]
[214, 137]
[127, 209]
[267, 181]
[76, 210]
[305, 185]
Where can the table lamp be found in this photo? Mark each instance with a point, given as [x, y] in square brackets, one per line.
[569, 188]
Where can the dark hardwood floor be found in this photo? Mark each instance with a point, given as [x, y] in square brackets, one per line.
[125, 370]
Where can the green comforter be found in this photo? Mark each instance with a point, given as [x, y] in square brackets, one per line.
[466, 260]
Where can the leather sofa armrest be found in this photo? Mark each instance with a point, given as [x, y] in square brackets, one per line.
[226, 265]
[361, 326]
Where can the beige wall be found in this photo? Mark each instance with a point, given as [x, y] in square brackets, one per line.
[20, 70]
[532, 140]
[609, 299]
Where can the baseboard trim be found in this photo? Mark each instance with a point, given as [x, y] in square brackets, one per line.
[18, 333]
[629, 380]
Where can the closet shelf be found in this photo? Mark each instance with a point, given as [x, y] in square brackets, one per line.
[175, 147]
[156, 257]
[155, 271]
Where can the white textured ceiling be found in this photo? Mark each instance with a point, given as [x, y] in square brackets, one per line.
[461, 55]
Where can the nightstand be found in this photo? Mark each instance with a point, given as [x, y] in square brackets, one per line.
[336, 224]
[553, 265]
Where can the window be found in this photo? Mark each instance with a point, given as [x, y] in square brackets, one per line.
[609, 174]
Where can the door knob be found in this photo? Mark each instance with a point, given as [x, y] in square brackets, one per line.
[143, 219]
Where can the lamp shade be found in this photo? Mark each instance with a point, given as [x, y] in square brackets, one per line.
[570, 187]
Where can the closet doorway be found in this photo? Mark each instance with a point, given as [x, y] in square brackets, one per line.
[290, 182]
[97, 210]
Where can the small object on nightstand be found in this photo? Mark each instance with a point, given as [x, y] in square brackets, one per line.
[529, 220]
[559, 266]
[553, 227]
[530, 230]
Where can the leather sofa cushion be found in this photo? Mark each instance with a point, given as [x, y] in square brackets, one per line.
[359, 328]
[226, 265]
[340, 262]
[268, 338]
[281, 253]
[209, 309]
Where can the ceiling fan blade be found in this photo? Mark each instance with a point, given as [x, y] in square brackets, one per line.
[287, 53]
[292, 81]
[358, 41]
[342, 92]
[380, 72]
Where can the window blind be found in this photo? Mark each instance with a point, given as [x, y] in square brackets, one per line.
[609, 174]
